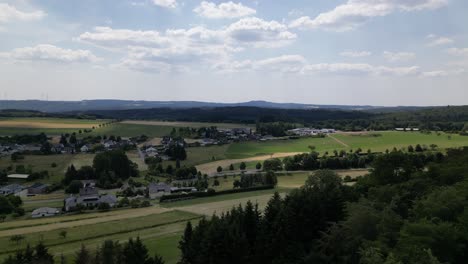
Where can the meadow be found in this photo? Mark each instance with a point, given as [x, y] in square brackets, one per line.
[348, 141]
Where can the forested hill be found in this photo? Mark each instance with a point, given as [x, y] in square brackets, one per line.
[233, 114]
[87, 105]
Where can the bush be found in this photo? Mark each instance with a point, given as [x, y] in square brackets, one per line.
[53, 165]
[135, 203]
[145, 204]
[103, 207]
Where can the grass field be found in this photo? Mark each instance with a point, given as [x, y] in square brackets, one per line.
[250, 149]
[347, 141]
[151, 228]
[388, 140]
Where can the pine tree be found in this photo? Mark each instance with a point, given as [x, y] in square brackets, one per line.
[82, 256]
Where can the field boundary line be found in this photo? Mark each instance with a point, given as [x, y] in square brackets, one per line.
[339, 141]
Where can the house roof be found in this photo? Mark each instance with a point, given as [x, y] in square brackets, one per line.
[45, 210]
[38, 185]
[12, 187]
[18, 176]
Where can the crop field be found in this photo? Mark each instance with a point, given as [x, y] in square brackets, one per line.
[50, 126]
[94, 229]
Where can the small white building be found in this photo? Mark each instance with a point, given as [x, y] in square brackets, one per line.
[45, 212]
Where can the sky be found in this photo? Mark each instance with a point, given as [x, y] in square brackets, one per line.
[350, 52]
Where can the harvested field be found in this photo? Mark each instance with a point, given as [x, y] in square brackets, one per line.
[185, 124]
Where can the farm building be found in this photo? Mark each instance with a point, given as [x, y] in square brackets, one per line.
[44, 212]
[71, 203]
[11, 189]
[158, 189]
[37, 188]
[18, 176]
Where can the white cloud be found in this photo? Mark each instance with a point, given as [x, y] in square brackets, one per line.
[358, 68]
[51, 53]
[442, 73]
[9, 13]
[189, 46]
[398, 56]
[299, 65]
[356, 54]
[223, 10]
[284, 64]
[438, 41]
[165, 3]
[354, 13]
[260, 33]
[458, 51]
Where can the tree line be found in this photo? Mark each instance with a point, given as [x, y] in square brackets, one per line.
[404, 211]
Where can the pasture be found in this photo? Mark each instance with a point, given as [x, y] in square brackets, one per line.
[347, 141]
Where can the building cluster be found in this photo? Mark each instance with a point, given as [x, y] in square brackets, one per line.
[407, 129]
[8, 149]
[156, 190]
[159, 150]
[306, 131]
[18, 189]
[88, 197]
[105, 145]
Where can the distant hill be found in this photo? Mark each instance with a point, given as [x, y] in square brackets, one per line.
[87, 105]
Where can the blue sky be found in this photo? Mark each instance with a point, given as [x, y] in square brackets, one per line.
[378, 52]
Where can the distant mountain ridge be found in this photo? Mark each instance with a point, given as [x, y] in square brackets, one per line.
[87, 105]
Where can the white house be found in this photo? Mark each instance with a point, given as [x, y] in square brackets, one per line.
[44, 212]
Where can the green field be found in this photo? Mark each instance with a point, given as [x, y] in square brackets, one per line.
[388, 140]
[156, 229]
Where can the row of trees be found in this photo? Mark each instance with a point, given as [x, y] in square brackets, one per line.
[109, 252]
[109, 168]
[404, 211]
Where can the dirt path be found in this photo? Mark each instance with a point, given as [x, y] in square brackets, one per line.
[210, 168]
[339, 141]
[132, 213]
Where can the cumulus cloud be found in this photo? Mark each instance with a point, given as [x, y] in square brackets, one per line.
[9, 13]
[223, 10]
[354, 13]
[51, 53]
[356, 54]
[260, 33]
[398, 56]
[438, 41]
[189, 46]
[165, 3]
